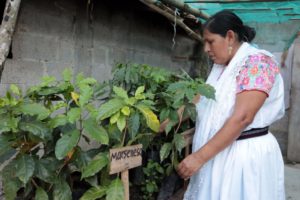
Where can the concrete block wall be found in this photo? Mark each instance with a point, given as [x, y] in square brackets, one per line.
[53, 35]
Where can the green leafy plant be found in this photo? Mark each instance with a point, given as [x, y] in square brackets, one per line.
[42, 131]
[168, 91]
[40, 134]
[154, 173]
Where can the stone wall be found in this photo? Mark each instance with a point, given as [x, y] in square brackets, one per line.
[53, 35]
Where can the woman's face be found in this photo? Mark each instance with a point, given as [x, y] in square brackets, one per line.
[216, 47]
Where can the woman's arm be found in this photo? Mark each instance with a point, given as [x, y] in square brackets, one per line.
[247, 105]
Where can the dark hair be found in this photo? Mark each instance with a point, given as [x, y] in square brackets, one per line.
[224, 21]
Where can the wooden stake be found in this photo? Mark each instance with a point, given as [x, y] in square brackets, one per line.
[125, 180]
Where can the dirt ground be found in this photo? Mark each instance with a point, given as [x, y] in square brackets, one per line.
[292, 181]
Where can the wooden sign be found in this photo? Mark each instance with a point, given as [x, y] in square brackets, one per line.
[125, 158]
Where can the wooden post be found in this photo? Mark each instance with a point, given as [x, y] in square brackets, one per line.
[123, 159]
[125, 180]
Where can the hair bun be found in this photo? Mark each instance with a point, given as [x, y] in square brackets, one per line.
[249, 34]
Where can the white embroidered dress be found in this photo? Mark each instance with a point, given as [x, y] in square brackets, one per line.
[249, 169]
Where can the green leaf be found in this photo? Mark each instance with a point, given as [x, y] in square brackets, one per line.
[47, 80]
[24, 167]
[164, 114]
[93, 167]
[179, 142]
[8, 123]
[131, 101]
[165, 151]
[82, 158]
[15, 89]
[6, 151]
[86, 92]
[11, 184]
[34, 109]
[45, 169]
[40, 194]
[133, 125]
[151, 118]
[86, 81]
[139, 91]
[113, 119]
[95, 131]
[126, 111]
[37, 128]
[120, 92]
[67, 74]
[62, 191]
[207, 90]
[111, 107]
[66, 143]
[115, 190]
[74, 114]
[59, 120]
[94, 193]
[10, 188]
[121, 123]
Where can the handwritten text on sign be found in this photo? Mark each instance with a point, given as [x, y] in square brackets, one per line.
[125, 158]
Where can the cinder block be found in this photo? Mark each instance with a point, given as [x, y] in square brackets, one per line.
[35, 47]
[22, 72]
[56, 68]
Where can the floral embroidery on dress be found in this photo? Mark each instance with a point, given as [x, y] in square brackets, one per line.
[258, 73]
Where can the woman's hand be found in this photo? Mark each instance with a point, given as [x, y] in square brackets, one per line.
[189, 166]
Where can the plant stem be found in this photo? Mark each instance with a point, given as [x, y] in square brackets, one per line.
[34, 183]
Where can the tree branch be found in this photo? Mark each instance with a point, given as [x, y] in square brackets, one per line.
[179, 21]
[185, 7]
[7, 29]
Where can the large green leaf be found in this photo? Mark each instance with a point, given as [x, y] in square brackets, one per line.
[34, 109]
[86, 93]
[37, 128]
[74, 114]
[62, 191]
[115, 190]
[94, 193]
[120, 92]
[24, 167]
[179, 142]
[133, 124]
[165, 151]
[66, 143]
[121, 122]
[100, 161]
[95, 131]
[82, 158]
[111, 107]
[207, 91]
[40, 194]
[151, 118]
[59, 120]
[45, 169]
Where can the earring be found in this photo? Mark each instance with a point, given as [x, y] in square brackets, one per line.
[229, 50]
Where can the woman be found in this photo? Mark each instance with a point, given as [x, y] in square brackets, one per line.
[234, 156]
